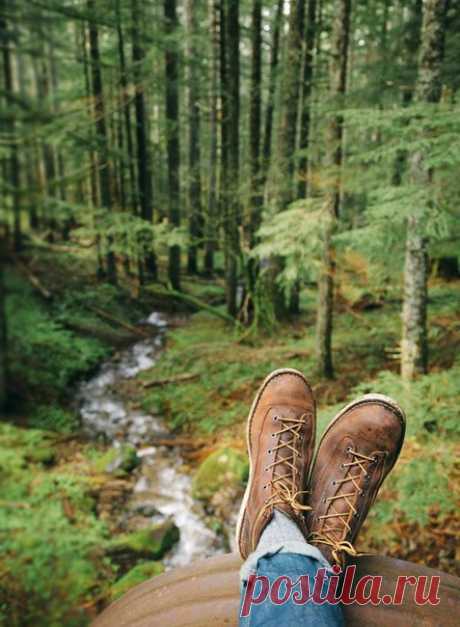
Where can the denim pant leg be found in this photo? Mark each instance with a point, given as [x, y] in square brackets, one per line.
[289, 614]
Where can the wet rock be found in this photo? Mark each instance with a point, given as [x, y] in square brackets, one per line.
[225, 468]
[135, 576]
[145, 509]
[150, 543]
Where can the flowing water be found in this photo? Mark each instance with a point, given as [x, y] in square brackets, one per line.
[163, 485]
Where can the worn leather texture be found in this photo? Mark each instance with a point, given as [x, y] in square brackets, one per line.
[282, 419]
[356, 453]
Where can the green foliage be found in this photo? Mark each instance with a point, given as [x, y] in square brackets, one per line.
[50, 539]
[54, 418]
[45, 357]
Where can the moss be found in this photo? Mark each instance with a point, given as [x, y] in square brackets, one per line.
[135, 576]
[45, 455]
[119, 460]
[222, 468]
[152, 542]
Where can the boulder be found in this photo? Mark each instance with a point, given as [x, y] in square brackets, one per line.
[225, 468]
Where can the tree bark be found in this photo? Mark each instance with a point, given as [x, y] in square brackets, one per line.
[334, 157]
[126, 108]
[255, 111]
[305, 101]
[414, 345]
[143, 153]
[14, 163]
[172, 130]
[194, 150]
[231, 190]
[103, 162]
[213, 104]
[3, 330]
[270, 105]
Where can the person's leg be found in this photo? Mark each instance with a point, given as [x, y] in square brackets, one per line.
[284, 582]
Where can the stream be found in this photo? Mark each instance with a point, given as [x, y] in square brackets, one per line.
[163, 486]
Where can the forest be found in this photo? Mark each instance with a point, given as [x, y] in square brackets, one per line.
[193, 193]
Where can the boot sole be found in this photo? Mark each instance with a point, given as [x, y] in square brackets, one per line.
[270, 377]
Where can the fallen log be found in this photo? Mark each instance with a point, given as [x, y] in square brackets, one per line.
[125, 325]
[180, 378]
[207, 594]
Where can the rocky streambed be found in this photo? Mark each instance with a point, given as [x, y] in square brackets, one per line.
[162, 493]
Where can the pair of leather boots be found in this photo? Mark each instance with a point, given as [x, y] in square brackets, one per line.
[328, 497]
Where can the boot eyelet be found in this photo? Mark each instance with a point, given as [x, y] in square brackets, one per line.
[342, 466]
[269, 452]
[333, 483]
[348, 449]
[275, 418]
[324, 500]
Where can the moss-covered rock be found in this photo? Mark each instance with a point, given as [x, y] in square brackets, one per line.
[118, 461]
[150, 543]
[135, 576]
[223, 468]
[43, 454]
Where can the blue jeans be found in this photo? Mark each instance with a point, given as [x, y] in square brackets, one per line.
[273, 611]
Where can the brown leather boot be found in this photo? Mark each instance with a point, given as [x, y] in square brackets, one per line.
[356, 453]
[280, 438]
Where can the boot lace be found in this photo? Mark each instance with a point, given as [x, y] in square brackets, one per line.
[337, 521]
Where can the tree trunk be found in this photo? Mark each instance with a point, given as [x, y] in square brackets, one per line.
[414, 346]
[14, 164]
[172, 131]
[270, 106]
[126, 108]
[255, 120]
[334, 158]
[143, 153]
[287, 135]
[101, 131]
[305, 103]
[232, 221]
[411, 42]
[3, 332]
[93, 178]
[212, 194]
[290, 92]
[194, 151]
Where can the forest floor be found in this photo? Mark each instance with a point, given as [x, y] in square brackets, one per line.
[55, 484]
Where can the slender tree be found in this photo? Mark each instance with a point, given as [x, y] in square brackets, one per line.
[270, 104]
[233, 218]
[290, 96]
[3, 334]
[126, 108]
[143, 152]
[210, 242]
[172, 121]
[305, 104]
[334, 157]
[194, 150]
[103, 162]
[255, 111]
[14, 163]
[414, 345]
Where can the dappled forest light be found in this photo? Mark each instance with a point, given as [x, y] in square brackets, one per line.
[193, 193]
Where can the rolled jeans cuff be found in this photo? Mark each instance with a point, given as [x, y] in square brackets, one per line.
[301, 548]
